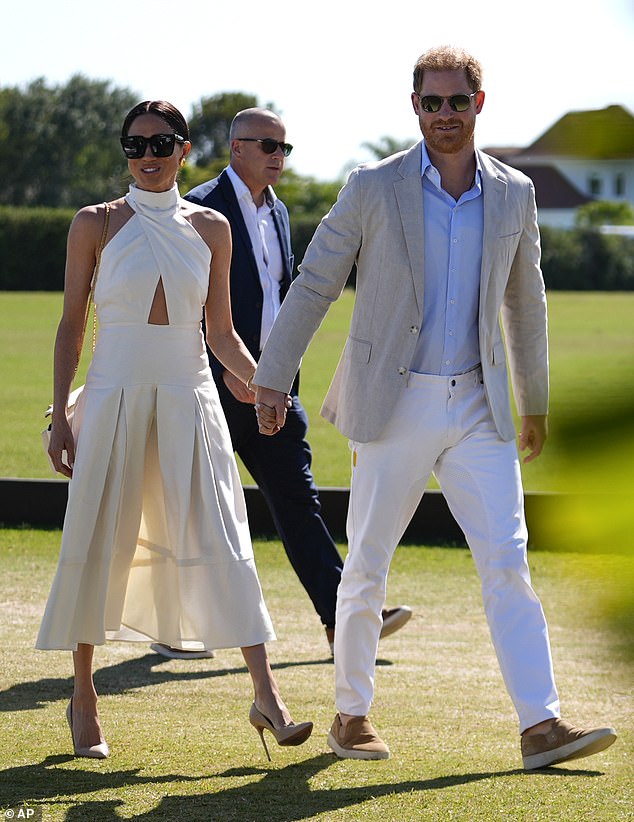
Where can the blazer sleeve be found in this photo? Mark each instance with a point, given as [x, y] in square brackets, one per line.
[322, 277]
[524, 318]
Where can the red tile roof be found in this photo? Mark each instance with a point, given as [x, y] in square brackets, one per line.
[552, 189]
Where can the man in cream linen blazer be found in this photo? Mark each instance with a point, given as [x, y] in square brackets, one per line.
[422, 387]
[377, 223]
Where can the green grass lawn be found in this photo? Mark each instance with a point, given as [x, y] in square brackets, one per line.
[592, 367]
[182, 748]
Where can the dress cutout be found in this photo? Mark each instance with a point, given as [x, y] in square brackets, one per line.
[156, 543]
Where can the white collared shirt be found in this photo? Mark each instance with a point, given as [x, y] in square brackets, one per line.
[266, 248]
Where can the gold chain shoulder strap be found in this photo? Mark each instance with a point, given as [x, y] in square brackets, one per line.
[93, 283]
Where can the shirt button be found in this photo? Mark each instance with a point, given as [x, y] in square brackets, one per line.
[413, 329]
[402, 370]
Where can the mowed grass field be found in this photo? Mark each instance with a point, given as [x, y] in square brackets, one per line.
[592, 371]
[182, 747]
[181, 744]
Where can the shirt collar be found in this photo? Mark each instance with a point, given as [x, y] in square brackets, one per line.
[242, 190]
[427, 169]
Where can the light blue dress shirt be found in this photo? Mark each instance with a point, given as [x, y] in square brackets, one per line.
[448, 340]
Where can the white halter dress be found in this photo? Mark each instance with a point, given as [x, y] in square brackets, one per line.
[156, 542]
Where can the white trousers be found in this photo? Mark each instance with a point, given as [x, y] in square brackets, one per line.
[442, 425]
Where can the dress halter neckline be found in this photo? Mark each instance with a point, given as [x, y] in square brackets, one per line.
[154, 200]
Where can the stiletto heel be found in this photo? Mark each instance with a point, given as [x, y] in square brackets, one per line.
[293, 734]
[263, 740]
[99, 751]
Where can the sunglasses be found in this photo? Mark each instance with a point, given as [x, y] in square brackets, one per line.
[268, 144]
[431, 103]
[162, 145]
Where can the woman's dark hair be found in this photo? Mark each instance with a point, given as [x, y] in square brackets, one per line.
[161, 108]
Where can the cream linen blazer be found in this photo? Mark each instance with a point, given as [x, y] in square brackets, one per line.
[377, 222]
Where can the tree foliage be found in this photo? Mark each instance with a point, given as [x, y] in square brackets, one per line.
[59, 145]
[387, 146]
[210, 123]
[305, 195]
[604, 212]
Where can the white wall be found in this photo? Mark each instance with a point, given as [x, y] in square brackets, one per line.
[579, 173]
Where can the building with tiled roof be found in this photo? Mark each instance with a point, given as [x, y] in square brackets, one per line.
[584, 156]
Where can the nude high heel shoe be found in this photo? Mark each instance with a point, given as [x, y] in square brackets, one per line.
[99, 751]
[293, 734]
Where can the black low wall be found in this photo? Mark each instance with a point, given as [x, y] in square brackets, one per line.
[41, 503]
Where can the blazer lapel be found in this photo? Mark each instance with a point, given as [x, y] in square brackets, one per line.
[494, 198]
[409, 197]
[285, 248]
[239, 231]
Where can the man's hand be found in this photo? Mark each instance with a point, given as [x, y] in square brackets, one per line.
[238, 388]
[533, 435]
[270, 409]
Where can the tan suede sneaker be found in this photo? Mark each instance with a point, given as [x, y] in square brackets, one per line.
[358, 740]
[562, 743]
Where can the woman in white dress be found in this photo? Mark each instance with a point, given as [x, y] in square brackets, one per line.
[155, 542]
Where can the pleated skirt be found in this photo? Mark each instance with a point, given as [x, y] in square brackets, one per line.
[155, 543]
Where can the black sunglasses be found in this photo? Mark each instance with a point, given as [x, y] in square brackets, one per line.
[268, 144]
[162, 145]
[431, 103]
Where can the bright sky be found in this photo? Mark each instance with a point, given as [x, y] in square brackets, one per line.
[339, 71]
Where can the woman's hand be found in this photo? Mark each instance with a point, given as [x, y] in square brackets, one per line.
[238, 388]
[61, 448]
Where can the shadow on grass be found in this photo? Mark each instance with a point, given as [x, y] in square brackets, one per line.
[124, 676]
[283, 794]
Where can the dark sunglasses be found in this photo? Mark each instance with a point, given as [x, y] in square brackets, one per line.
[162, 145]
[431, 103]
[268, 144]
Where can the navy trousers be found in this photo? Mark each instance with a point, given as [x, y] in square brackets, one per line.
[280, 465]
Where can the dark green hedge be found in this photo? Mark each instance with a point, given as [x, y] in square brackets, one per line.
[586, 260]
[577, 260]
[33, 249]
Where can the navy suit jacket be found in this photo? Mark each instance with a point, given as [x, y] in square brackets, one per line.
[246, 291]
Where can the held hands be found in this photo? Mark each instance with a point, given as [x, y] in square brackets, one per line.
[533, 435]
[270, 409]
